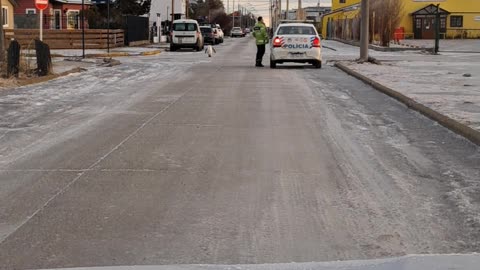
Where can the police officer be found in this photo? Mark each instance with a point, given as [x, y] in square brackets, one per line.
[261, 38]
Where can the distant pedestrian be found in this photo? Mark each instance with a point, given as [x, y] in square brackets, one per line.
[261, 39]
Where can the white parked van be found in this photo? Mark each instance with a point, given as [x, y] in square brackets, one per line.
[186, 34]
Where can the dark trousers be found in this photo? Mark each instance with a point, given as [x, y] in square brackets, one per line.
[260, 53]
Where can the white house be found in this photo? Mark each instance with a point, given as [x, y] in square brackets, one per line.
[164, 8]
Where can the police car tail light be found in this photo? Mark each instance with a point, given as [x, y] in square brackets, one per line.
[316, 42]
[277, 42]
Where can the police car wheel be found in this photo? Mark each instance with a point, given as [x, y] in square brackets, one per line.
[317, 64]
[273, 64]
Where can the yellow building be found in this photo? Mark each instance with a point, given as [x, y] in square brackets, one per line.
[7, 12]
[459, 18]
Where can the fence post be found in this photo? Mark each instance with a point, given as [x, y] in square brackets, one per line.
[13, 59]
[44, 59]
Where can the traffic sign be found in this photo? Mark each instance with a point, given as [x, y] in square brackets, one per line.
[41, 4]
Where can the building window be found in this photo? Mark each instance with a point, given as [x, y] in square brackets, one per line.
[342, 1]
[443, 23]
[73, 19]
[456, 21]
[5, 16]
[418, 23]
[30, 11]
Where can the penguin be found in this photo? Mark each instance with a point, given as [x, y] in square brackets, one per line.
[210, 50]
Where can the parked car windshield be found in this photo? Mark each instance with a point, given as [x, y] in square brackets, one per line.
[206, 29]
[236, 29]
[296, 30]
[185, 27]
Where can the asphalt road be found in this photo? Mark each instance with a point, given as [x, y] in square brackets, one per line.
[164, 161]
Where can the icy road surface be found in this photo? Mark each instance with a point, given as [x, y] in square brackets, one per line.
[184, 159]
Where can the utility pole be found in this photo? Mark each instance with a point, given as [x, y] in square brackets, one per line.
[280, 9]
[173, 15]
[208, 6]
[300, 13]
[187, 8]
[364, 31]
[299, 10]
[243, 16]
[239, 15]
[2, 36]
[270, 10]
[286, 12]
[233, 13]
[165, 25]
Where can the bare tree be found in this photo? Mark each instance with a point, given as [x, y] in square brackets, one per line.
[2, 36]
[386, 17]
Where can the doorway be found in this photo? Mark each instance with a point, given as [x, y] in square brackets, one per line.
[428, 27]
[57, 19]
[424, 21]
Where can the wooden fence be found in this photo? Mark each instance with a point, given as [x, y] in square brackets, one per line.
[68, 39]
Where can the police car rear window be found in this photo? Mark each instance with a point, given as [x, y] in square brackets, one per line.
[185, 27]
[296, 30]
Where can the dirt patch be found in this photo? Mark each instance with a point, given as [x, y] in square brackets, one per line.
[22, 80]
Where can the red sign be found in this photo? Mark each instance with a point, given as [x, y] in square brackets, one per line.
[41, 4]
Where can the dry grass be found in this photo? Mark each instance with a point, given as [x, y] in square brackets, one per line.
[386, 16]
[8, 83]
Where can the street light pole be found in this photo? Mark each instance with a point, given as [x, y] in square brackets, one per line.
[437, 29]
[364, 31]
[83, 29]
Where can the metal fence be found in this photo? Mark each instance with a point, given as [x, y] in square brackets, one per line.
[347, 29]
[71, 20]
[136, 29]
[462, 33]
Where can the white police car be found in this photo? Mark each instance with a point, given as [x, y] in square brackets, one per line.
[297, 43]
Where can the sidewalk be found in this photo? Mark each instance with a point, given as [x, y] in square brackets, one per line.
[446, 45]
[448, 84]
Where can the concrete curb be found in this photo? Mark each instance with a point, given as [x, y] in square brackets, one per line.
[103, 55]
[453, 125]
